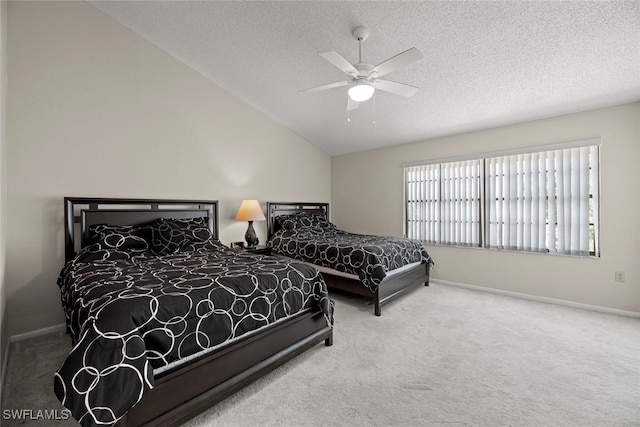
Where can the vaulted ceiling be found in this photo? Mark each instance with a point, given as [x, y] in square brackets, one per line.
[485, 64]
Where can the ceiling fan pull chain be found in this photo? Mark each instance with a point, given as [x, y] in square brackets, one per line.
[374, 108]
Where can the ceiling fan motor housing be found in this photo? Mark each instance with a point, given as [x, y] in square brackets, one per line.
[363, 70]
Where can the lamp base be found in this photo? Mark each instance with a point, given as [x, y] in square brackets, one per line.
[250, 236]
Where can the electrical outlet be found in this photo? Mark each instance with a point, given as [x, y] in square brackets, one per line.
[619, 276]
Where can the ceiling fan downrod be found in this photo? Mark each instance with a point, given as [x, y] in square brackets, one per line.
[360, 34]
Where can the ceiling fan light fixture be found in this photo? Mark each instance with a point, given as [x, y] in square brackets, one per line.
[361, 91]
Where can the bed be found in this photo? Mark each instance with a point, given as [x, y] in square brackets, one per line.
[385, 267]
[164, 331]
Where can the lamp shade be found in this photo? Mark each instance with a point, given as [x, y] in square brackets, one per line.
[250, 210]
[361, 91]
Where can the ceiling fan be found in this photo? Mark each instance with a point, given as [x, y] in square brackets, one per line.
[364, 78]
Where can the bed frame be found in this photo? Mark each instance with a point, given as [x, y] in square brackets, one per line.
[390, 288]
[184, 392]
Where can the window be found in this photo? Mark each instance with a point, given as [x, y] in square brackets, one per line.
[443, 203]
[540, 200]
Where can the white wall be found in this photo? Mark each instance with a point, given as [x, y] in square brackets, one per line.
[372, 182]
[95, 110]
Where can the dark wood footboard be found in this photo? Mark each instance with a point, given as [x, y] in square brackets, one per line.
[185, 392]
[390, 288]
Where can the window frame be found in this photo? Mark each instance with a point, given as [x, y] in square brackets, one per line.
[483, 203]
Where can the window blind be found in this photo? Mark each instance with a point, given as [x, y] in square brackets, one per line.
[443, 202]
[543, 202]
[525, 200]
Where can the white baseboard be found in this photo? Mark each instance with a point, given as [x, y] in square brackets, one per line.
[19, 337]
[539, 298]
[39, 332]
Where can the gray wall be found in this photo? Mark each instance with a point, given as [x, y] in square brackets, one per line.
[95, 110]
[367, 197]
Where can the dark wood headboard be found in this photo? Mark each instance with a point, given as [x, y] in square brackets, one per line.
[87, 211]
[275, 209]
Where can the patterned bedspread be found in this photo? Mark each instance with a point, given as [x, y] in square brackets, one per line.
[129, 314]
[313, 239]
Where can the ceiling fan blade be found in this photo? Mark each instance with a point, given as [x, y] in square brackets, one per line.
[351, 104]
[336, 59]
[400, 60]
[325, 87]
[395, 87]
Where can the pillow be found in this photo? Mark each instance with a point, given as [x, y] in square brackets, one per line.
[303, 219]
[119, 237]
[165, 236]
[196, 229]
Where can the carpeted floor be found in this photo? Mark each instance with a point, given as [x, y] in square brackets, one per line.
[440, 356]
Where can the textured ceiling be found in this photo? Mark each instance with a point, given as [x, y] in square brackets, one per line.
[485, 64]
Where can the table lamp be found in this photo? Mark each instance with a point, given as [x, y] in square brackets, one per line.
[250, 210]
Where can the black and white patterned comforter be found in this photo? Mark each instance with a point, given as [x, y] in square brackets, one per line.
[313, 239]
[129, 314]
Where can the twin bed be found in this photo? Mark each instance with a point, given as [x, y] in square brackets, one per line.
[166, 321]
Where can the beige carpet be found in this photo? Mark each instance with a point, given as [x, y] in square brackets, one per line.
[441, 356]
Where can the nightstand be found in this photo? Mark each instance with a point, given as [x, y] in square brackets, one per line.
[260, 250]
